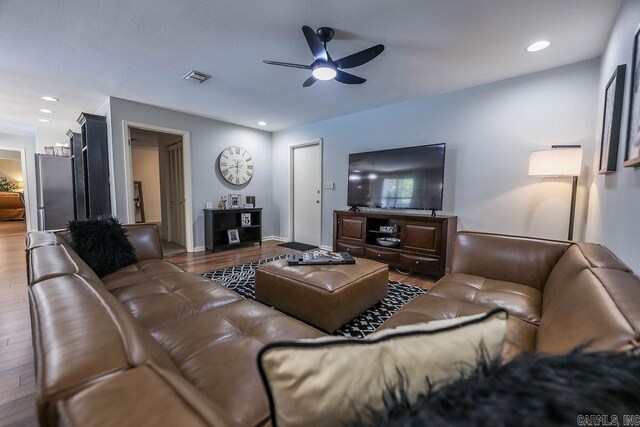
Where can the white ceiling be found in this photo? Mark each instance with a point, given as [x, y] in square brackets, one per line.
[84, 51]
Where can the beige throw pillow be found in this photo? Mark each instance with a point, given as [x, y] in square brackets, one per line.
[330, 381]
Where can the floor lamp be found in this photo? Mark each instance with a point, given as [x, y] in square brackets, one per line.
[559, 161]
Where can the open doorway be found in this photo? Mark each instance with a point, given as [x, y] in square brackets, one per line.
[14, 213]
[158, 192]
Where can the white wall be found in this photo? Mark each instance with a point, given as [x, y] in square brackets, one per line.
[12, 169]
[146, 169]
[9, 154]
[208, 138]
[490, 131]
[48, 136]
[27, 143]
[614, 201]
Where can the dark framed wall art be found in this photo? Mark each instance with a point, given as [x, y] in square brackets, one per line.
[632, 152]
[612, 117]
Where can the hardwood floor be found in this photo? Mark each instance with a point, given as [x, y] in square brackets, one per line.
[17, 378]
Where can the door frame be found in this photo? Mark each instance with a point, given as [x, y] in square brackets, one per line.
[26, 187]
[307, 143]
[186, 164]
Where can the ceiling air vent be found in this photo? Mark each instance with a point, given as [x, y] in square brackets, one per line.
[196, 76]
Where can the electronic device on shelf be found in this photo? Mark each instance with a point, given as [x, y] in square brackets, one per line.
[320, 258]
[402, 178]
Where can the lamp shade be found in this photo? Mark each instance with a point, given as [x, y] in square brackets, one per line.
[556, 162]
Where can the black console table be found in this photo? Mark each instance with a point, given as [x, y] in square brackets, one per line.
[217, 223]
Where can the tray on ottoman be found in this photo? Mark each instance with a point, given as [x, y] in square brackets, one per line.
[325, 296]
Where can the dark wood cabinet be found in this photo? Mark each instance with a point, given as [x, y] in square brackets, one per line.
[351, 228]
[425, 241]
[218, 222]
[95, 160]
[77, 166]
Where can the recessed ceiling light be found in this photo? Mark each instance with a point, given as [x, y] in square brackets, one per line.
[44, 120]
[262, 123]
[49, 98]
[539, 45]
[44, 110]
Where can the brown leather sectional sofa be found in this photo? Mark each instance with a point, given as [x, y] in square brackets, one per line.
[154, 345]
[11, 206]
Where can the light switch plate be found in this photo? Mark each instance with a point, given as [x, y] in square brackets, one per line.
[328, 185]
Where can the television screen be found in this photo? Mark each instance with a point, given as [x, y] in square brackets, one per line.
[402, 178]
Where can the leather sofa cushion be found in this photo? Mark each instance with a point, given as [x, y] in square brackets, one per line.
[519, 300]
[521, 338]
[82, 336]
[514, 259]
[217, 352]
[153, 398]
[141, 271]
[146, 241]
[167, 298]
[521, 335]
[588, 306]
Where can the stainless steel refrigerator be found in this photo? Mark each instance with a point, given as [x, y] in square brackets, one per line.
[54, 177]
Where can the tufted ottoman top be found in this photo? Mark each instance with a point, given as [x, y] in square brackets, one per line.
[325, 296]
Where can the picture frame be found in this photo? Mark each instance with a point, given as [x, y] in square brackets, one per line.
[234, 236]
[249, 201]
[245, 219]
[632, 150]
[234, 201]
[611, 121]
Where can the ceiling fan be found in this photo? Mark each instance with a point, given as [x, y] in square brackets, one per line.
[324, 67]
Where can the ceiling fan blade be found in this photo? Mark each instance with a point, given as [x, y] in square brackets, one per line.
[287, 64]
[311, 80]
[315, 44]
[360, 58]
[347, 78]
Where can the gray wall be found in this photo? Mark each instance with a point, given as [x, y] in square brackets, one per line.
[615, 198]
[490, 131]
[208, 138]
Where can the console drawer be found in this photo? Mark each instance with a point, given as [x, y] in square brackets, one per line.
[429, 265]
[382, 255]
[354, 250]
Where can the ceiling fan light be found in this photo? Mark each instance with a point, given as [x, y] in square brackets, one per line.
[324, 72]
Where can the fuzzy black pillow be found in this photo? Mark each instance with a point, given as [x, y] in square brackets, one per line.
[531, 390]
[103, 244]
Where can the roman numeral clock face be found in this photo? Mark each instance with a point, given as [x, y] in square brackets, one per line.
[236, 165]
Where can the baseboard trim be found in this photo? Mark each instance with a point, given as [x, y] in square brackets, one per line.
[276, 238]
[326, 248]
[199, 248]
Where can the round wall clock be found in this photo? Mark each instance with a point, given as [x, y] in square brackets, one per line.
[236, 165]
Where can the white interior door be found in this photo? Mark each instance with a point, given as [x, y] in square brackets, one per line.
[306, 186]
[176, 195]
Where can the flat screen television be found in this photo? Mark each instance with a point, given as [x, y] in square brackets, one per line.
[402, 178]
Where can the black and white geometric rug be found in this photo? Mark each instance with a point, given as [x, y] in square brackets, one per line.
[241, 278]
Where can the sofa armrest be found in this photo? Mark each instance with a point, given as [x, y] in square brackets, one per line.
[523, 260]
[146, 240]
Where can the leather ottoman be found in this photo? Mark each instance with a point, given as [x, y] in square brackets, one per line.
[325, 296]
